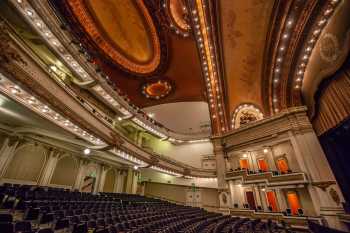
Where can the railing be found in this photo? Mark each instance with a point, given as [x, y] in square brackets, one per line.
[296, 221]
[266, 177]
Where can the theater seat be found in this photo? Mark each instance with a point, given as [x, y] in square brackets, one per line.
[6, 217]
[6, 227]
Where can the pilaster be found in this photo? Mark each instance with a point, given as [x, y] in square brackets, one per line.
[8, 151]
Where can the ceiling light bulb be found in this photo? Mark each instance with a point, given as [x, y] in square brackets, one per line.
[265, 150]
[87, 151]
[136, 167]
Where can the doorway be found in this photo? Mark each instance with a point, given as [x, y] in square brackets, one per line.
[250, 199]
[271, 200]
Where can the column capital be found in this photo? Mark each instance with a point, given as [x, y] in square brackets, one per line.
[12, 140]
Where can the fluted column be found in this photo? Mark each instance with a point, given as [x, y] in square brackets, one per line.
[120, 181]
[134, 181]
[129, 180]
[104, 169]
[79, 180]
[282, 204]
[50, 165]
[7, 153]
[257, 195]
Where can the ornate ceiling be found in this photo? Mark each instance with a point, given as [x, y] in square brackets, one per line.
[139, 43]
[243, 48]
[246, 59]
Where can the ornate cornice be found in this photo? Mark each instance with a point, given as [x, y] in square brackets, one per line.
[292, 119]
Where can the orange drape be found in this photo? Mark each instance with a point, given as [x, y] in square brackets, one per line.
[243, 163]
[271, 199]
[293, 202]
[263, 165]
[282, 165]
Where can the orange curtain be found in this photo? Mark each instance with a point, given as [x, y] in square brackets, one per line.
[271, 199]
[243, 163]
[282, 165]
[333, 104]
[263, 165]
[293, 201]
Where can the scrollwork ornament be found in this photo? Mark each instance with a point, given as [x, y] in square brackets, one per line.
[329, 48]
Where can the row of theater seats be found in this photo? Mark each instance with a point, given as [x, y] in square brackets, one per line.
[30, 209]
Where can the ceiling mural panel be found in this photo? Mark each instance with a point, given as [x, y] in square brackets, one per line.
[123, 30]
[243, 47]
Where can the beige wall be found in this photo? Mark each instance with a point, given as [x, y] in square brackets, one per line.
[27, 163]
[171, 192]
[65, 172]
[286, 149]
[177, 193]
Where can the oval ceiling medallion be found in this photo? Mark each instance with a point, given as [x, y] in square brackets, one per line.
[124, 30]
[157, 90]
[178, 15]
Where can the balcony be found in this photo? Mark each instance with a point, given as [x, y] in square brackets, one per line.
[269, 177]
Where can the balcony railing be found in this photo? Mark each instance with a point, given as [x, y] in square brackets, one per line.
[269, 177]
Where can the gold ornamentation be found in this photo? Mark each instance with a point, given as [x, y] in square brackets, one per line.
[323, 184]
[334, 195]
[8, 53]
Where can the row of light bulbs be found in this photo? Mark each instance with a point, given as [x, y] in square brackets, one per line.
[312, 41]
[305, 55]
[241, 107]
[22, 96]
[202, 33]
[172, 25]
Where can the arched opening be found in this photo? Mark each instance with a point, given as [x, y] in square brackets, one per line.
[27, 163]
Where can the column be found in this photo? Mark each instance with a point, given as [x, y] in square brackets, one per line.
[134, 181]
[252, 161]
[81, 172]
[257, 196]
[271, 159]
[49, 168]
[129, 180]
[120, 181]
[104, 170]
[220, 163]
[98, 178]
[8, 151]
[282, 204]
[262, 193]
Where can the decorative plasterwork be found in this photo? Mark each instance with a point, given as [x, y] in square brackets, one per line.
[297, 32]
[291, 119]
[178, 16]
[88, 72]
[203, 31]
[245, 113]
[308, 46]
[157, 89]
[88, 22]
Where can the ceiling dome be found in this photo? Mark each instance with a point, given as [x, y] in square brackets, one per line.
[123, 30]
